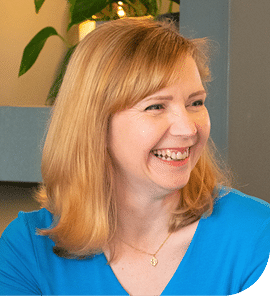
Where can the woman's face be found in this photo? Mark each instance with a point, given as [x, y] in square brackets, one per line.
[157, 143]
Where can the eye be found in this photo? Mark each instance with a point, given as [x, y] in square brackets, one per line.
[155, 107]
[198, 103]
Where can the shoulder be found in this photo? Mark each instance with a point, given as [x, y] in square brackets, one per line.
[235, 239]
[244, 217]
[28, 222]
[21, 234]
[20, 252]
[236, 205]
[245, 227]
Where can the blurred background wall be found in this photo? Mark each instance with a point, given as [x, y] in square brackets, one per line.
[239, 99]
[19, 23]
[249, 96]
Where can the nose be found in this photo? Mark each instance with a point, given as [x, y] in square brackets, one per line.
[182, 124]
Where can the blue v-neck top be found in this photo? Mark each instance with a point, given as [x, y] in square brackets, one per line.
[228, 253]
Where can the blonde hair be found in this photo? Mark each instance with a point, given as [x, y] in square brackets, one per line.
[113, 68]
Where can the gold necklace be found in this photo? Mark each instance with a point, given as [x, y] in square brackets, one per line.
[154, 260]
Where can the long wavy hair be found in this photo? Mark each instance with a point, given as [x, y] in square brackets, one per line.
[113, 68]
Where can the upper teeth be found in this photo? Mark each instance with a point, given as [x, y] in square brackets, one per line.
[171, 154]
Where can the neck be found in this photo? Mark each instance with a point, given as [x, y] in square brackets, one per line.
[143, 218]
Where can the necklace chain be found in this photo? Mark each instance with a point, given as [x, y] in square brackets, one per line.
[154, 260]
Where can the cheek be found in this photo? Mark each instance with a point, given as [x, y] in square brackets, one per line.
[150, 132]
[204, 125]
[131, 137]
[143, 129]
[146, 130]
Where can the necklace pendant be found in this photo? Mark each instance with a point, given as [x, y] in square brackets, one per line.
[154, 261]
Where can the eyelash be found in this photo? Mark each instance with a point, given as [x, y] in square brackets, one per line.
[201, 103]
[148, 108]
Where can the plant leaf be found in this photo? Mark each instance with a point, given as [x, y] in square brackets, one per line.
[59, 79]
[154, 7]
[34, 47]
[72, 4]
[85, 9]
[151, 6]
[38, 4]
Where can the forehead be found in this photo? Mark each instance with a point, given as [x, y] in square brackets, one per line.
[186, 70]
[138, 87]
[185, 78]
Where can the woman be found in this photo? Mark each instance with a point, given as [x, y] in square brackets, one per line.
[132, 201]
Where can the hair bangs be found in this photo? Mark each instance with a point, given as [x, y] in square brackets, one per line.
[145, 63]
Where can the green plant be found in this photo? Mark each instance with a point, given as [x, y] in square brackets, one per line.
[80, 11]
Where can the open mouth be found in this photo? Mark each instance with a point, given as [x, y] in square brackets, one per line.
[171, 155]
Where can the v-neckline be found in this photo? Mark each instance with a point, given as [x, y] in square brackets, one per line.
[179, 268]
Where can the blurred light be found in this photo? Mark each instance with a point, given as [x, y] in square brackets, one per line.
[120, 3]
[85, 28]
[121, 12]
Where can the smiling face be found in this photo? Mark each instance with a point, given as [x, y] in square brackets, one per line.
[155, 144]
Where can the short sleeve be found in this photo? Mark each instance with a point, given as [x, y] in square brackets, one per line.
[18, 267]
[259, 257]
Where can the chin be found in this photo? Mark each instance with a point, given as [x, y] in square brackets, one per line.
[177, 184]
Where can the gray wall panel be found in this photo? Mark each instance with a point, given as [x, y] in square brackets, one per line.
[210, 18]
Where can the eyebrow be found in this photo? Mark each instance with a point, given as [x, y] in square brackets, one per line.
[197, 93]
[170, 98]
